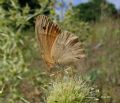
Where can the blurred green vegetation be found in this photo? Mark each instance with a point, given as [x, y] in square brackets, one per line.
[23, 78]
[92, 10]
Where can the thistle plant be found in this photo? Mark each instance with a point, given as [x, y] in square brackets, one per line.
[71, 91]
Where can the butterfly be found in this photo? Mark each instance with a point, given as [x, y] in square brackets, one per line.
[57, 47]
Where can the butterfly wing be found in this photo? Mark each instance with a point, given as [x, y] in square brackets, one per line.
[46, 31]
[67, 49]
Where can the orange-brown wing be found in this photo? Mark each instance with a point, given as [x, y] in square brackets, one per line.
[46, 31]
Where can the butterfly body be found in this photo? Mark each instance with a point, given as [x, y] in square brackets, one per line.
[57, 47]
